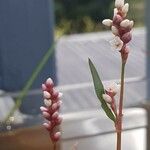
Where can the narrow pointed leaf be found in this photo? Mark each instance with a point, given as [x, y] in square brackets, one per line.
[99, 89]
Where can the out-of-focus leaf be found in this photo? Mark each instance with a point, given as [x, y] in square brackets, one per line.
[99, 89]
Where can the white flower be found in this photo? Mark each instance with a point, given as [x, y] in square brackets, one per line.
[113, 88]
[107, 22]
[47, 103]
[119, 3]
[116, 43]
[107, 98]
[114, 30]
[125, 8]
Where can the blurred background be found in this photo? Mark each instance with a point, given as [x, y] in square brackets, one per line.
[86, 15]
[54, 38]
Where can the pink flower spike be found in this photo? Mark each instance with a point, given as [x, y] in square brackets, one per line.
[51, 110]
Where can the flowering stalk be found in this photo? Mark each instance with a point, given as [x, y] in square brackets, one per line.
[121, 28]
[51, 110]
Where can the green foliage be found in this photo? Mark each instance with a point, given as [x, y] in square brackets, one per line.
[80, 13]
[99, 89]
[77, 16]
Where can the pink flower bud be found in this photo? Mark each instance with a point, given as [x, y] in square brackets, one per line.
[44, 87]
[43, 109]
[117, 20]
[46, 114]
[119, 3]
[107, 98]
[60, 95]
[46, 94]
[107, 22]
[54, 106]
[125, 9]
[49, 81]
[59, 120]
[55, 115]
[125, 23]
[126, 38]
[47, 125]
[114, 30]
[47, 102]
[56, 136]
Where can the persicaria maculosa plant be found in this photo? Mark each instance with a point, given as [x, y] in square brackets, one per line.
[50, 111]
[120, 27]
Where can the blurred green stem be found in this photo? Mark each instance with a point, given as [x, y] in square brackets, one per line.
[29, 83]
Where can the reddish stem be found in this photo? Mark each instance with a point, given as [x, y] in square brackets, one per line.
[119, 117]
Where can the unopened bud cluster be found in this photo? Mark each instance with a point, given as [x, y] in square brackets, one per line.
[51, 109]
[109, 96]
[120, 27]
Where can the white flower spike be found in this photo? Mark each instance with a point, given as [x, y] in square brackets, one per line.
[107, 22]
[116, 43]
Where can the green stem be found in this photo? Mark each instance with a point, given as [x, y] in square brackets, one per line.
[119, 117]
[29, 83]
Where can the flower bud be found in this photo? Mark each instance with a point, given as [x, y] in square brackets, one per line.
[117, 19]
[126, 38]
[107, 22]
[47, 125]
[56, 136]
[49, 81]
[119, 3]
[125, 8]
[114, 30]
[47, 103]
[131, 24]
[115, 11]
[46, 114]
[107, 98]
[46, 94]
[125, 23]
[113, 88]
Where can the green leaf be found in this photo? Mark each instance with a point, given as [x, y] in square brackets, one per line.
[99, 89]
